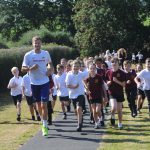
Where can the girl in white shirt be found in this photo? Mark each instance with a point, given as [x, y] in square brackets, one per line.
[16, 90]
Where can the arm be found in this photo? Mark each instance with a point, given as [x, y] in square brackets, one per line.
[137, 81]
[119, 82]
[25, 69]
[72, 86]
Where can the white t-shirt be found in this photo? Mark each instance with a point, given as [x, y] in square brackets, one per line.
[140, 56]
[145, 76]
[38, 76]
[54, 88]
[59, 81]
[26, 83]
[18, 89]
[74, 79]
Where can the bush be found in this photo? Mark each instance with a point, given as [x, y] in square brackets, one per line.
[14, 57]
[62, 38]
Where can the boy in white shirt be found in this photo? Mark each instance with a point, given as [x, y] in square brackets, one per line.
[26, 91]
[74, 84]
[62, 91]
[16, 91]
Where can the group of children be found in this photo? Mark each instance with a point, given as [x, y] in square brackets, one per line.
[99, 81]
[88, 79]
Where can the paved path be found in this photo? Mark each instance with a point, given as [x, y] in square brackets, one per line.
[63, 136]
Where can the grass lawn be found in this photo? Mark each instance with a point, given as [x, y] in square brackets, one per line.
[13, 133]
[134, 136]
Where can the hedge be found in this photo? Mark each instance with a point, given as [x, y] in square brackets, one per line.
[14, 57]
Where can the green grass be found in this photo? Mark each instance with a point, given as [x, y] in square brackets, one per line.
[13, 133]
[134, 136]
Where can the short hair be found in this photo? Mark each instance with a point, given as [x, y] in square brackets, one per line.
[76, 62]
[126, 62]
[98, 59]
[115, 60]
[14, 68]
[36, 38]
[59, 66]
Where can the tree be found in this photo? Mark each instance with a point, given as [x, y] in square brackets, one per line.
[107, 24]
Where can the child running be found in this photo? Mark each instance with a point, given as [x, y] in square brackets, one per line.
[130, 87]
[16, 90]
[27, 92]
[145, 76]
[75, 85]
[116, 81]
[62, 91]
[95, 89]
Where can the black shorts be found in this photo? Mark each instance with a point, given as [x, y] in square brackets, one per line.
[54, 97]
[30, 100]
[17, 98]
[96, 101]
[79, 101]
[141, 92]
[65, 98]
[119, 98]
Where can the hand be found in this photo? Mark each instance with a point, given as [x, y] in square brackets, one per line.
[34, 67]
[48, 72]
[115, 79]
[105, 99]
[128, 82]
[109, 82]
[76, 86]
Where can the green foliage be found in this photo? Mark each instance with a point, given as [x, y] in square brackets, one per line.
[58, 37]
[14, 57]
[107, 24]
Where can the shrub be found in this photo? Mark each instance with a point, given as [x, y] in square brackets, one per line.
[14, 57]
[62, 38]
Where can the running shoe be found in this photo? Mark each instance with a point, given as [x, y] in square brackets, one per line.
[120, 126]
[112, 121]
[44, 131]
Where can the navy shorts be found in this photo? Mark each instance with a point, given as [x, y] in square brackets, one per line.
[30, 100]
[96, 101]
[79, 101]
[119, 98]
[17, 98]
[65, 98]
[41, 92]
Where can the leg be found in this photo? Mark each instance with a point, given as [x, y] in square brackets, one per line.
[119, 109]
[113, 104]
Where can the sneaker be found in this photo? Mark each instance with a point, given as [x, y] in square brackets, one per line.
[92, 121]
[96, 126]
[65, 116]
[79, 128]
[102, 123]
[18, 118]
[120, 126]
[112, 121]
[33, 117]
[38, 118]
[44, 131]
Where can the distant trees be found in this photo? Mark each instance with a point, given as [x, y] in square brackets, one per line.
[104, 24]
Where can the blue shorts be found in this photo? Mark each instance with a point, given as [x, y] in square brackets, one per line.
[41, 92]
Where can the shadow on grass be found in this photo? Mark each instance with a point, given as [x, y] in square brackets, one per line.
[21, 122]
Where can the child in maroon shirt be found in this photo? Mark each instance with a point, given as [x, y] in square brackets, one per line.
[116, 81]
[95, 89]
[131, 87]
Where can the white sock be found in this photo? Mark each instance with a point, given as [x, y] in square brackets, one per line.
[45, 123]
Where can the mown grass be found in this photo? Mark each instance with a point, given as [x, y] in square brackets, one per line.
[13, 133]
[134, 136]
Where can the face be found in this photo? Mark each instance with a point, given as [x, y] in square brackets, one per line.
[68, 68]
[75, 68]
[37, 44]
[147, 64]
[115, 65]
[82, 67]
[127, 66]
[60, 71]
[92, 69]
[98, 64]
[63, 62]
[139, 68]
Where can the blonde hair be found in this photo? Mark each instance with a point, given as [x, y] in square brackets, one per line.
[14, 69]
